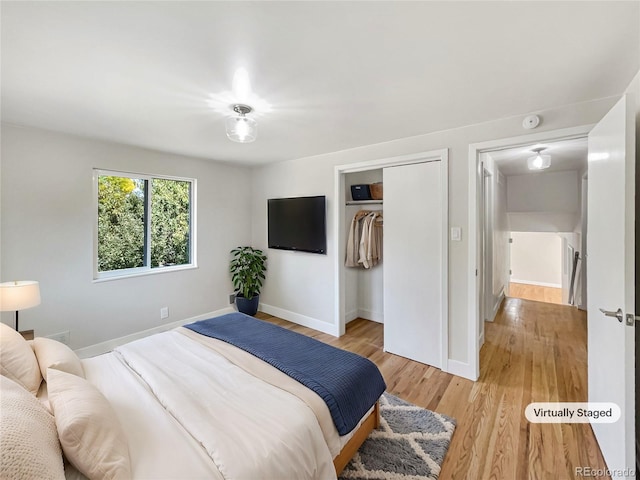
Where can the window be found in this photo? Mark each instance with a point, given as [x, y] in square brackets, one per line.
[144, 224]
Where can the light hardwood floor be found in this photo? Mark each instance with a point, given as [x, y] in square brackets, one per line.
[527, 291]
[534, 352]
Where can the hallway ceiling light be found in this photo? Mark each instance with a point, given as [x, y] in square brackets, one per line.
[539, 161]
[240, 128]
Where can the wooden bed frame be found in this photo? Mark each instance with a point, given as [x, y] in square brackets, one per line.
[371, 422]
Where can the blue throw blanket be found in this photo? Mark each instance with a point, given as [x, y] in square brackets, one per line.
[348, 383]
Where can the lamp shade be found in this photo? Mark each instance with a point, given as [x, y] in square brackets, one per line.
[539, 162]
[241, 129]
[19, 295]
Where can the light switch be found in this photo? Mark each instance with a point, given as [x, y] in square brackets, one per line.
[456, 234]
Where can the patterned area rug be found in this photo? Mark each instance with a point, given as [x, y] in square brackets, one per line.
[410, 444]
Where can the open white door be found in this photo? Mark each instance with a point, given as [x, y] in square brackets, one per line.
[610, 286]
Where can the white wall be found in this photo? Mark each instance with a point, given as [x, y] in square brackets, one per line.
[47, 235]
[544, 202]
[501, 247]
[583, 278]
[487, 226]
[302, 286]
[497, 240]
[536, 258]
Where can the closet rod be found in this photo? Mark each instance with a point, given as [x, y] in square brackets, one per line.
[364, 202]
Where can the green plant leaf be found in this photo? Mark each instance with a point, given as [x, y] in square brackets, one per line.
[247, 269]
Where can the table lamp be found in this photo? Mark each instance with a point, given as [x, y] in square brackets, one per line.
[19, 295]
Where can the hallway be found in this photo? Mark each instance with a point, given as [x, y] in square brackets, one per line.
[537, 352]
[537, 293]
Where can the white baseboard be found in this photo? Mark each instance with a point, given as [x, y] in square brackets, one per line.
[303, 320]
[539, 284]
[109, 345]
[496, 306]
[371, 315]
[350, 316]
[461, 369]
[481, 340]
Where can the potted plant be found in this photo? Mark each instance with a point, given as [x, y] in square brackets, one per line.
[247, 269]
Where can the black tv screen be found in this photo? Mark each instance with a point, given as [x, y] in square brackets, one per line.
[298, 224]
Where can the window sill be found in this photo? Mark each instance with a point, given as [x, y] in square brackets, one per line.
[145, 272]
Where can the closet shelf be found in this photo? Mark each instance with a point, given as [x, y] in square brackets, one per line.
[364, 202]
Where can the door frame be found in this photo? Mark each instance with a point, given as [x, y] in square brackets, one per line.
[472, 369]
[486, 220]
[339, 213]
[584, 181]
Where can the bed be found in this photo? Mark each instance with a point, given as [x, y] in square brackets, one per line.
[188, 404]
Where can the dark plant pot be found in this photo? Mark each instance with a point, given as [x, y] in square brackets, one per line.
[248, 306]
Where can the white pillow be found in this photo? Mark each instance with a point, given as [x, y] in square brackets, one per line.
[91, 436]
[53, 354]
[29, 446]
[17, 360]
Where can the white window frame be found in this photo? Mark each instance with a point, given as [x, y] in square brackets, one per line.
[146, 269]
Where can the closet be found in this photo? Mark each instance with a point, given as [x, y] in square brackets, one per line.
[407, 290]
[363, 286]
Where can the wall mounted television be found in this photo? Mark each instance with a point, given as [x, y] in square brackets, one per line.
[297, 224]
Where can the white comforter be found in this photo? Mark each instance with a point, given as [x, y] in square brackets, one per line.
[250, 429]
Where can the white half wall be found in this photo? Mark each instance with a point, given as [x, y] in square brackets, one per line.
[47, 235]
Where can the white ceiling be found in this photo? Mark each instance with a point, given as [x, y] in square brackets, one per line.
[336, 75]
[565, 155]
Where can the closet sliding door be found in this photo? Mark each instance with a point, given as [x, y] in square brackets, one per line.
[412, 255]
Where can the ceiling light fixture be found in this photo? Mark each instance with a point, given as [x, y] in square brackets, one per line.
[539, 161]
[240, 128]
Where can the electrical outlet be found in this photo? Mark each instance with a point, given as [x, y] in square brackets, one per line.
[62, 337]
[164, 313]
[232, 298]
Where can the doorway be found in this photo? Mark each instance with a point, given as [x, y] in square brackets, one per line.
[610, 343]
[545, 217]
[561, 222]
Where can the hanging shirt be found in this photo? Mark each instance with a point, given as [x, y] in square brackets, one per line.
[353, 240]
[364, 243]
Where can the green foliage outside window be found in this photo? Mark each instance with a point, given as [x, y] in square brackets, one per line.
[170, 218]
[122, 222]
